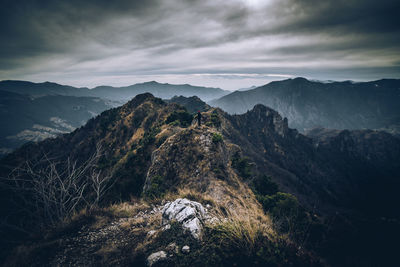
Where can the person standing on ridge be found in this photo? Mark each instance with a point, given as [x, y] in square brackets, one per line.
[198, 118]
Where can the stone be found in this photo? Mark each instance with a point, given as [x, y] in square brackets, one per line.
[166, 227]
[185, 249]
[172, 247]
[151, 233]
[194, 227]
[190, 214]
[156, 257]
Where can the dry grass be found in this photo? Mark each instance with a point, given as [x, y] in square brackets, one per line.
[127, 209]
[190, 194]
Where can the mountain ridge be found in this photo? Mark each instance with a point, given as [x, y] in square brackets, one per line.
[124, 93]
[338, 105]
[155, 150]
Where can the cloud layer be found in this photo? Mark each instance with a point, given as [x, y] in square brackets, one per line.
[230, 44]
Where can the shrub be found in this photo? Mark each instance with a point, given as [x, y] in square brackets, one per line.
[263, 185]
[216, 138]
[242, 165]
[156, 188]
[215, 120]
[149, 137]
[181, 116]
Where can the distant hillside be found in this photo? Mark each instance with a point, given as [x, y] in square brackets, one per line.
[119, 94]
[161, 90]
[42, 89]
[35, 111]
[25, 119]
[336, 105]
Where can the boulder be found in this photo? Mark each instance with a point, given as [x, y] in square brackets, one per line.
[190, 214]
[156, 257]
[185, 249]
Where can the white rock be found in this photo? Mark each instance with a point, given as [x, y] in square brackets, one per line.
[190, 214]
[166, 227]
[155, 257]
[213, 220]
[194, 226]
[151, 233]
[185, 249]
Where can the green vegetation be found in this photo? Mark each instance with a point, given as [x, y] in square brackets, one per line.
[107, 118]
[216, 138]
[149, 137]
[214, 121]
[156, 189]
[227, 244]
[288, 215]
[180, 117]
[263, 185]
[242, 165]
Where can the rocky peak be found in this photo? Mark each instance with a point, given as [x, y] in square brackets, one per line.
[263, 116]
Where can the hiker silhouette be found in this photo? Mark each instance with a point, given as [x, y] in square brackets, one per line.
[198, 118]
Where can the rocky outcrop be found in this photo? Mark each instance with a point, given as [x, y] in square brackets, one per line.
[190, 214]
[156, 257]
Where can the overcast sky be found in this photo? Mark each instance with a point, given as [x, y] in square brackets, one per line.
[227, 44]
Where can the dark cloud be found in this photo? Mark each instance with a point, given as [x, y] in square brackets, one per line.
[46, 39]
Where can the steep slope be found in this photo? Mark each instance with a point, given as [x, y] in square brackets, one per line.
[154, 151]
[159, 160]
[337, 105]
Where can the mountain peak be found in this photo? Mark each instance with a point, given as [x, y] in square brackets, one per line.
[300, 79]
[141, 98]
[151, 83]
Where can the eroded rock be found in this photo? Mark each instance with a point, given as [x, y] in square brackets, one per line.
[156, 257]
[190, 214]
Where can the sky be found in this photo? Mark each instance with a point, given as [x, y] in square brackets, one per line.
[229, 44]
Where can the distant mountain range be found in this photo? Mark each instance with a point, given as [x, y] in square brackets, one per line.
[337, 105]
[119, 94]
[24, 118]
[35, 111]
